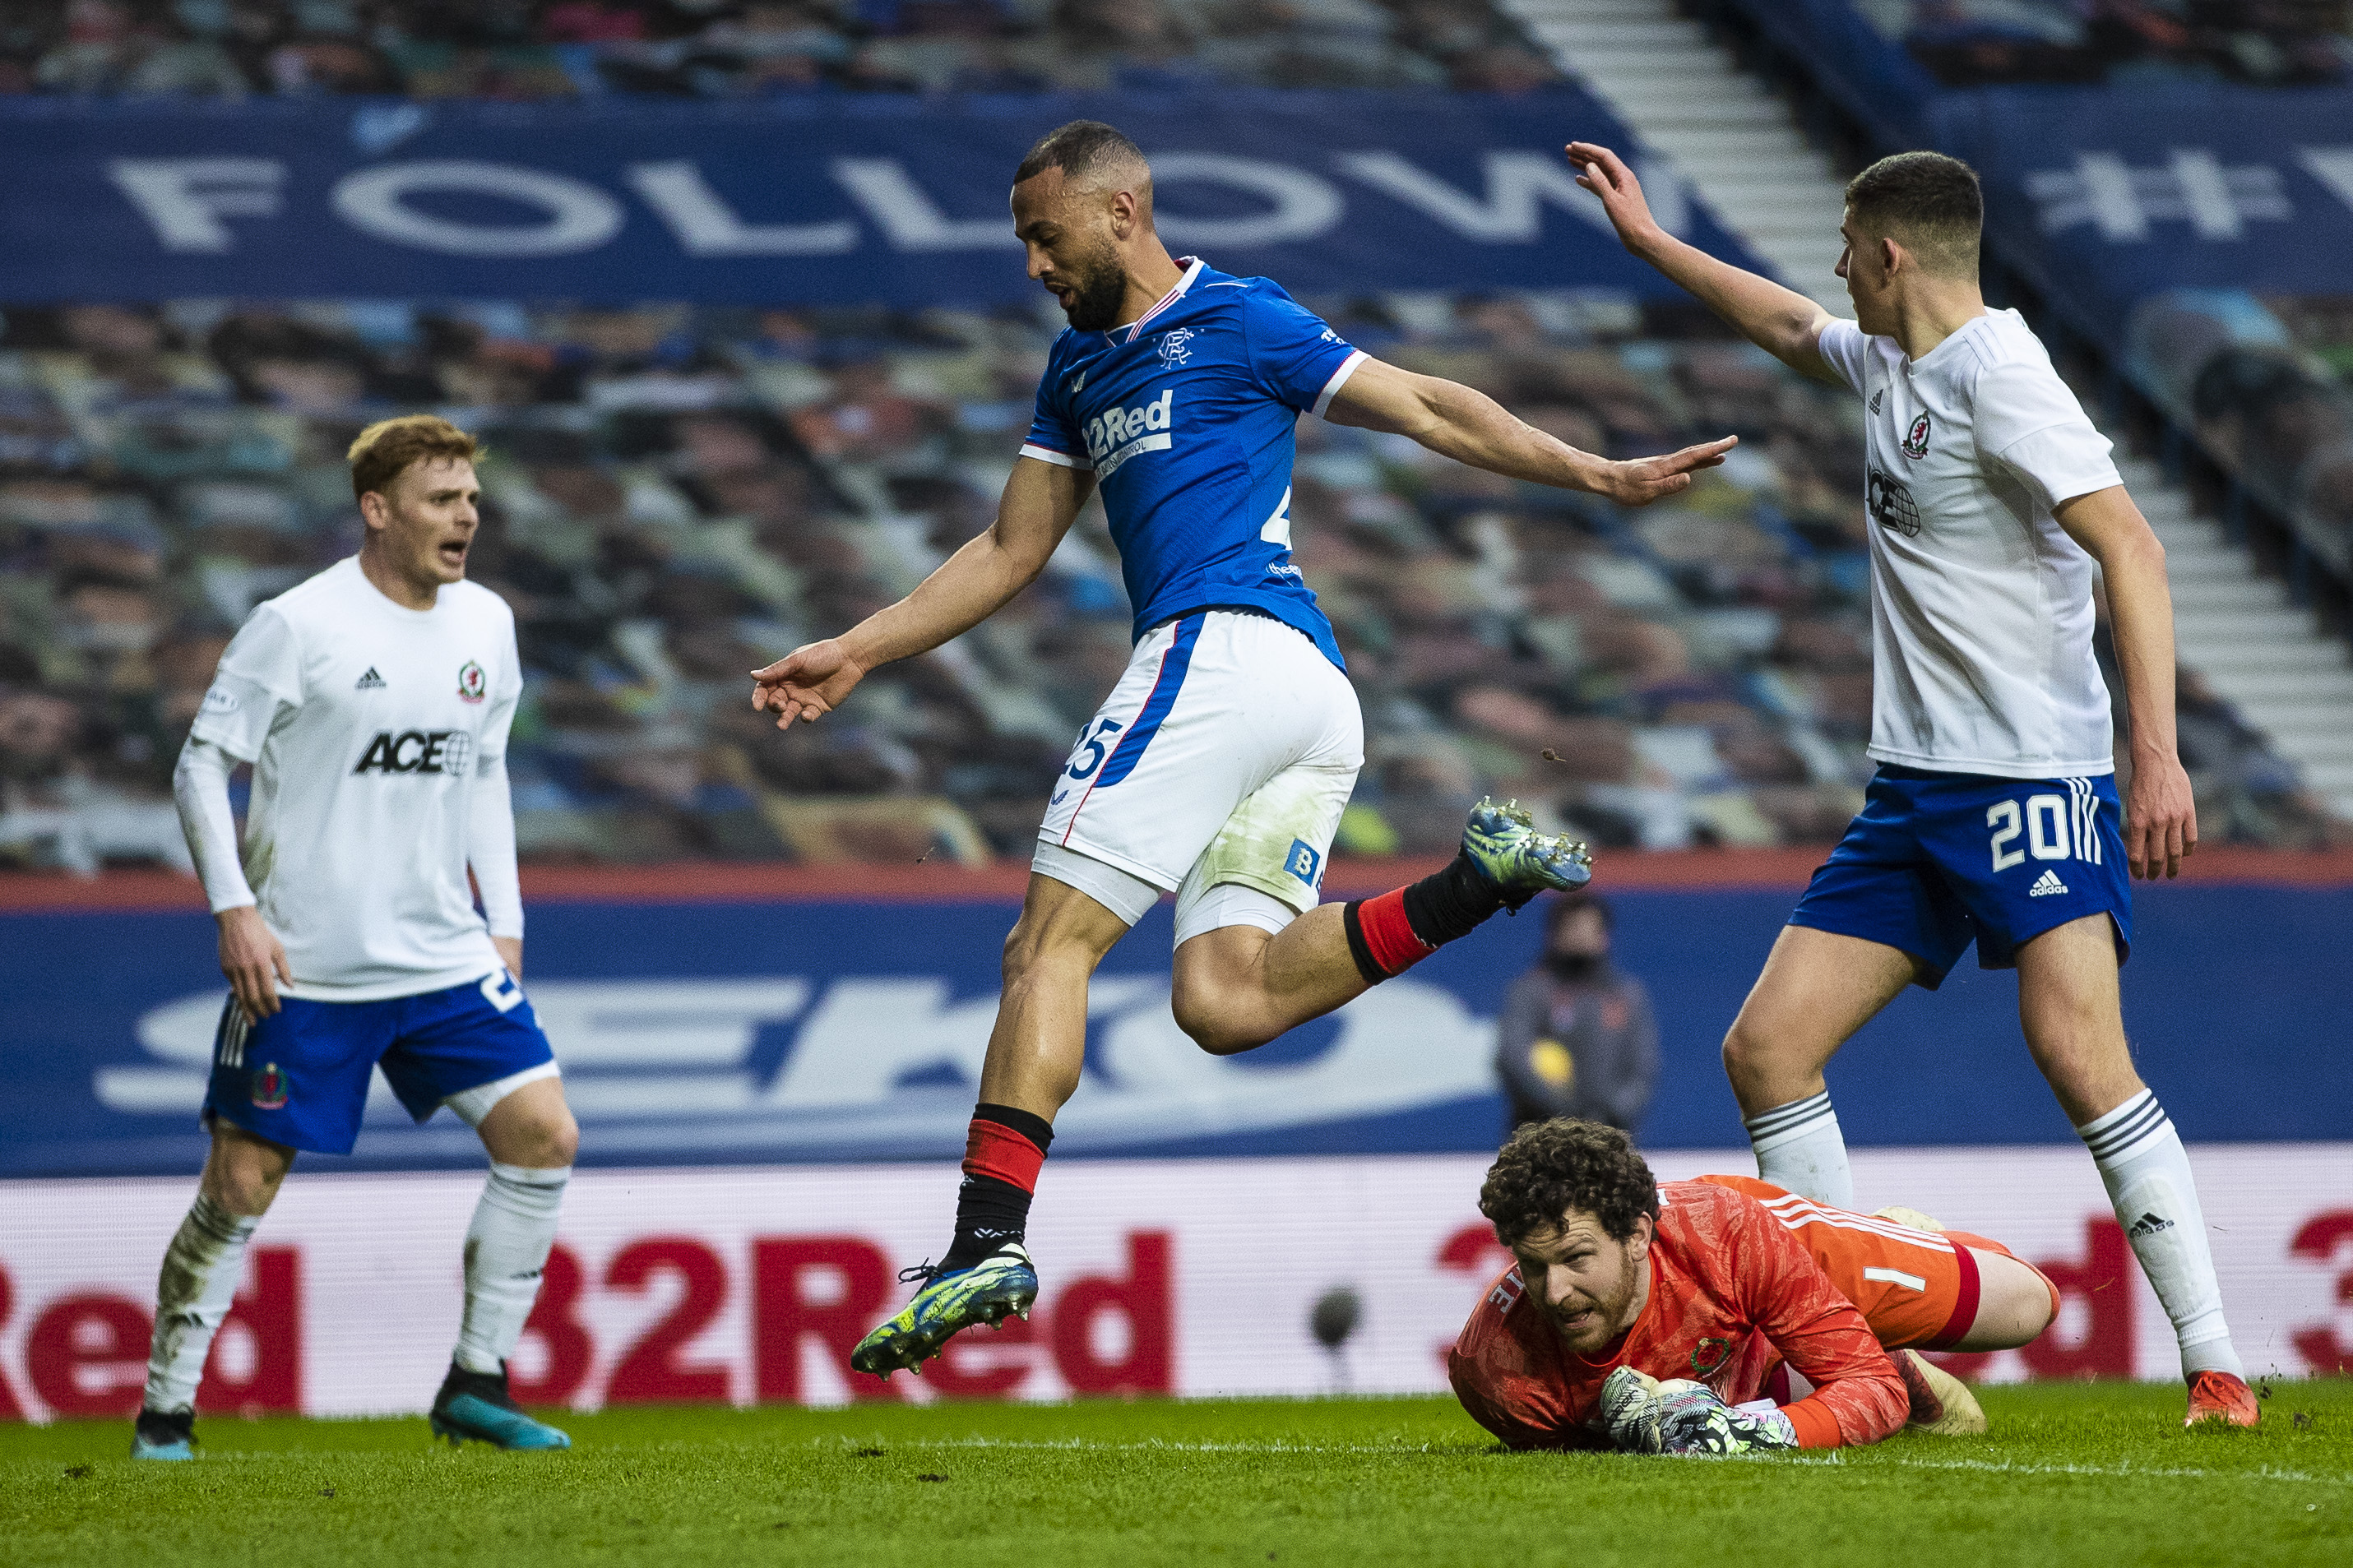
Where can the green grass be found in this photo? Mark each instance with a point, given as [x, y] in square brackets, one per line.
[2069, 1474]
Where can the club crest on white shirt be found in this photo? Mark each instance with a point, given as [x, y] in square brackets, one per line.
[472, 684]
[1915, 441]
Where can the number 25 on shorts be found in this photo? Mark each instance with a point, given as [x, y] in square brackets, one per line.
[1092, 747]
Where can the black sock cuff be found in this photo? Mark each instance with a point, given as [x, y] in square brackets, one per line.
[1451, 903]
[1354, 925]
[1028, 1123]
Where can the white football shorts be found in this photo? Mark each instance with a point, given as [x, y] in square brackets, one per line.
[1217, 769]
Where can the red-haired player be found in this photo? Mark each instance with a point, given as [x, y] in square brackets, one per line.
[1720, 1283]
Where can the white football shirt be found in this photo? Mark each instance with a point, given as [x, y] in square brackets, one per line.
[1981, 605]
[368, 725]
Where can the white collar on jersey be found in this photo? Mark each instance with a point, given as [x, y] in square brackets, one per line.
[1193, 266]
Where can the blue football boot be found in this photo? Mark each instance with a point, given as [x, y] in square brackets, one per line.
[1000, 1286]
[165, 1435]
[476, 1406]
[1503, 842]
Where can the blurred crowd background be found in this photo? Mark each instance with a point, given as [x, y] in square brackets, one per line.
[2266, 385]
[541, 49]
[1975, 43]
[674, 496]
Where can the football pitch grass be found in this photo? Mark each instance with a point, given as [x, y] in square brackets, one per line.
[2070, 1473]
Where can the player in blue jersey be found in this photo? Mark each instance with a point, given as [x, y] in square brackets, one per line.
[1218, 766]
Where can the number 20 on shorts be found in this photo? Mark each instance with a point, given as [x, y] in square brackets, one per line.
[2045, 824]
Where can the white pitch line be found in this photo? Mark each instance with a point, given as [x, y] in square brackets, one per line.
[2123, 1471]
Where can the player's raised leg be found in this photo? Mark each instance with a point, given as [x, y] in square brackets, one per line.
[1816, 989]
[531, 1138]
[202, 1269]
[1241, 985]
[2068, 1002]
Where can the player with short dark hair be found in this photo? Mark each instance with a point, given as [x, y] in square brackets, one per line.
[1993, 818]
[373, 702]
[1776, 1321]
[1218, 766]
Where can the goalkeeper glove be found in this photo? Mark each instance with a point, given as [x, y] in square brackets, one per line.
[1630, 1412]
[1692, 1420]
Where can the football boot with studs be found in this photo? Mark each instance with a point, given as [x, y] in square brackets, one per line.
[475, 1406]
[165, 1435]
[1000, 1286]
[1503, 842]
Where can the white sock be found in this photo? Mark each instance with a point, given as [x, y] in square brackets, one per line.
[2147, 1173]
[1799, 1147]
[506, 1248]
[202, 1269]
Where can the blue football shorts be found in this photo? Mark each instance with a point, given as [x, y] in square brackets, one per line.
[299, 1077]
[1939, 860]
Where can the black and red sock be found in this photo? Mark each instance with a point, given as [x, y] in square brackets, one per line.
[1003, 1153]
[1389, 934]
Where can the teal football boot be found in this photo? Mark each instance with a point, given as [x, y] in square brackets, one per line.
[476, 1406]
[1503, 842]
[1000, 1286]
[165, 1435]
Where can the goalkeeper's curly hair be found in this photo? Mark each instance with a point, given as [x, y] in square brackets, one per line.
[1551, 1167]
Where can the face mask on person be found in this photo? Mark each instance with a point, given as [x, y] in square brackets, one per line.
[1573, 966]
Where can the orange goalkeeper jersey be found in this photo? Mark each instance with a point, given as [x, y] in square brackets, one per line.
[1732, 1289]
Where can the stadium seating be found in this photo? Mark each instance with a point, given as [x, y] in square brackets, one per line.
[515, 49]
[2263, 384]
[676, 496]
[1974, 43]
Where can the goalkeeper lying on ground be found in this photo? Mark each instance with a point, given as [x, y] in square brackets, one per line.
[1638, 1317]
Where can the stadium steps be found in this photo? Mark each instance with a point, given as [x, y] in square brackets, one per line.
[1740, 149]
[1735, 144]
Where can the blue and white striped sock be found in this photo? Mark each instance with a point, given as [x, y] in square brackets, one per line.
[2147, 1173]
[1798, 1146]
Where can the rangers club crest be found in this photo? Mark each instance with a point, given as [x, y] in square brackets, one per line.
[1172, 351]
[1915, 441]
[268, 1089]
[472, 684]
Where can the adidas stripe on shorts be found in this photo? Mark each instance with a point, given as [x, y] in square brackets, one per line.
[1939, 860]
[1224, 756]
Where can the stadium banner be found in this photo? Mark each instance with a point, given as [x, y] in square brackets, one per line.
[2103, 198]
[840, 1029]
[2101, 195]
[1195, 1277]
[890, 200]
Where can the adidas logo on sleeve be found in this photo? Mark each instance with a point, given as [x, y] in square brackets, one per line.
[2045, 885]
[371, 681]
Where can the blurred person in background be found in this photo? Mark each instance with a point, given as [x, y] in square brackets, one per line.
[1577, 1036]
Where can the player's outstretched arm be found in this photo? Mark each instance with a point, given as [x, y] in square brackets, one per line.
[1781, 322]
[1040, 502]
[1454, 421]
[2160, 811]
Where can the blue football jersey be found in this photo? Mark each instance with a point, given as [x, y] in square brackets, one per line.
[1186, 416]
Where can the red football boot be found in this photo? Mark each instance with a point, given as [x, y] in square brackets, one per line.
[2218, 1396]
